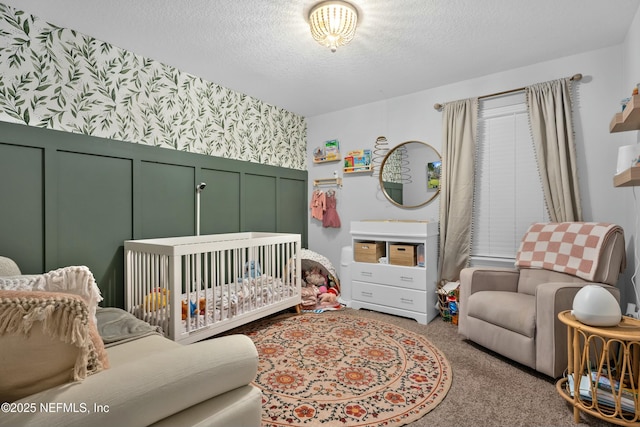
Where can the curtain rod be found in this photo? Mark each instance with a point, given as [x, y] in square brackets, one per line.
[574, 78]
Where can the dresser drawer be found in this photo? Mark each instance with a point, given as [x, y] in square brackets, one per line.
[406, 299]
[392, 275]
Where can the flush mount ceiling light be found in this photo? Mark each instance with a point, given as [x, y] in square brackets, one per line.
[333, 23]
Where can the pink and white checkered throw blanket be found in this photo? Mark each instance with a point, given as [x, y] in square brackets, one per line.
[566, 247]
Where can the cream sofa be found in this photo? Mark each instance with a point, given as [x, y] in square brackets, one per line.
[150, 381]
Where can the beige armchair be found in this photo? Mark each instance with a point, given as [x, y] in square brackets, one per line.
[514, 312]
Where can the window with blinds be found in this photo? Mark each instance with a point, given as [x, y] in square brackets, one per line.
[508, 194]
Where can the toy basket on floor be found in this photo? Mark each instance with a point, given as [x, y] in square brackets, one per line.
[449, 292]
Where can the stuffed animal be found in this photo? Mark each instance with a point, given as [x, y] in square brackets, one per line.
[156, 299]
[192, 306]
[195, 308]
[329, 298]
[252, 269]
[315, 278]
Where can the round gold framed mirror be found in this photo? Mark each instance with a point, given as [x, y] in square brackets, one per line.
[409, 174]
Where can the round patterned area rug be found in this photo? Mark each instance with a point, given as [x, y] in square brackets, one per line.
[339, 370]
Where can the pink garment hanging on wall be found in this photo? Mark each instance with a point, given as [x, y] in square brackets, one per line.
[331, 218]
[318, 204]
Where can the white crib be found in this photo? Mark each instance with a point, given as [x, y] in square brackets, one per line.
[195, 287]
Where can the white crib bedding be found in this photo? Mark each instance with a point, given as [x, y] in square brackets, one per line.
[233, 299]
[223, 302]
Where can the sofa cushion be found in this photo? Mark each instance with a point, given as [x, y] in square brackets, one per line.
[241, 406]
[517, 310]
[129, 351]
[46, 339]
[77, 280]
[145, 390]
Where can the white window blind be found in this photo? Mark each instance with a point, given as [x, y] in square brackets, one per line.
[508, 194]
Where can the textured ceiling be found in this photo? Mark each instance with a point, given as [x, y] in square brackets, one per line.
[263, 48]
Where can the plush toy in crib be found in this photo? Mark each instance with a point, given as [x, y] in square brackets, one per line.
[200, 307]
[252, 269]
[156, 299]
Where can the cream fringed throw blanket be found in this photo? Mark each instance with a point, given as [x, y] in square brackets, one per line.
[77, 280]
[48, 333]
[46, 339]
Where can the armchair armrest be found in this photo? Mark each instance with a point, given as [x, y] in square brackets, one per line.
[476, 279]
[144, 391]
[551, 334]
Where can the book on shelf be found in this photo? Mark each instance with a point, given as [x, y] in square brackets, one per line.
[328, 152]
[358, 160]
[332, 146]
[587, 388]
[332, 149]
[348, 162]
[605, 383]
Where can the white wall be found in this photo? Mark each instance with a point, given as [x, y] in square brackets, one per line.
[630, 78]
[412, 117]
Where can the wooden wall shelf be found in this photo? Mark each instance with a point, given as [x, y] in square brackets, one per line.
[327, 181]
[358, 169]
[628, 178]
[629, 119]
[327, 160]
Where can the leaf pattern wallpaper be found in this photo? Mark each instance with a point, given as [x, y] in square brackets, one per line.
[393, 167]
[57, 78]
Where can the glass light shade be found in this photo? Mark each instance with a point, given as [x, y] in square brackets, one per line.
[333, 23]
[595, 306]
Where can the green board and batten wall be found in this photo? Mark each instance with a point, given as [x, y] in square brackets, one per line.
[115, 145]
[69, 199]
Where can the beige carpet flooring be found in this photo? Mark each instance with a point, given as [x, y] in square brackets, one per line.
[487, 390]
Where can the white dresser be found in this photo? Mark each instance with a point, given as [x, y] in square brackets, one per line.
[402, 290]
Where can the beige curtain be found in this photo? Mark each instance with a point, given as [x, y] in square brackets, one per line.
[459, 126]
[551, 123]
